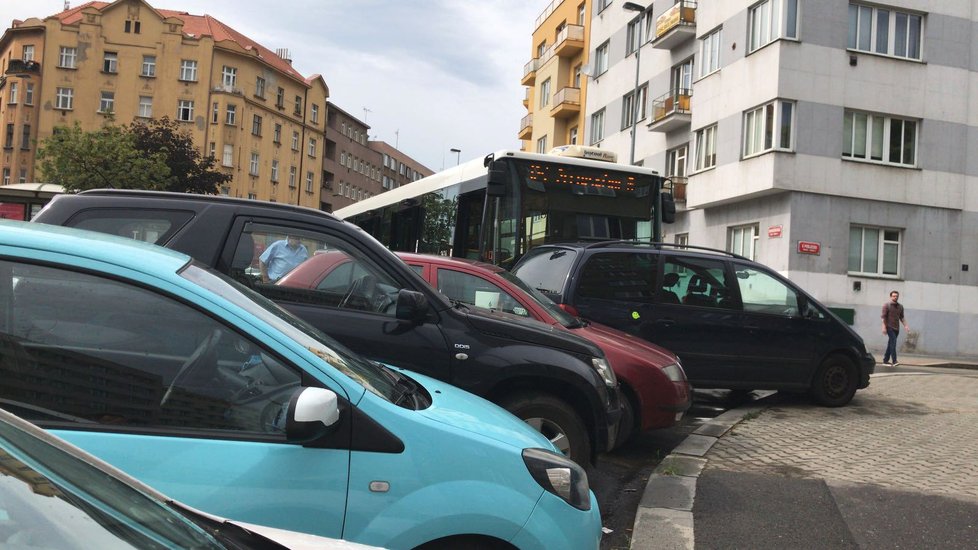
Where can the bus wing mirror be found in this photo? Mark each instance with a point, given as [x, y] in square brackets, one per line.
[496, 185]
[668, 213]
[411, 306]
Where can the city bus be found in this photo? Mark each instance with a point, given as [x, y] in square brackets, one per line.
[495, 209]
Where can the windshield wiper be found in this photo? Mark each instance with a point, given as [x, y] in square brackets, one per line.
[546, 290]
[404, 388]
[458, 304]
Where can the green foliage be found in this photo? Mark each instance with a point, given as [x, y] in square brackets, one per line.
[103, 158]
[190, 171]
[439, 224]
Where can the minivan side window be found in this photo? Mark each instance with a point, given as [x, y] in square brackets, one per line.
[699, 282]
[762, 293]
[81, 349]
[306, 266]
[619, 276]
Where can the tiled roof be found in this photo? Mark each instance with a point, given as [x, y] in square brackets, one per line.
[195, 26]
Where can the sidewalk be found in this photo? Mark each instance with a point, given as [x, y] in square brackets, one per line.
[780, 472]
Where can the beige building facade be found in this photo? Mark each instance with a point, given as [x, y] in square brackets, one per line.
[113, 63]
[555, 77]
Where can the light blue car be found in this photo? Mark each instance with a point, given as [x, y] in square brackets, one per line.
[221, 399]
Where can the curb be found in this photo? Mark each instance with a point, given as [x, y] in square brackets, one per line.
[664, 519]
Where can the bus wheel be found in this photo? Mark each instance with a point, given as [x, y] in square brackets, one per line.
[556, 421]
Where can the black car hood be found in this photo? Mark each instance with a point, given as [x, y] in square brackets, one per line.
[514, 327]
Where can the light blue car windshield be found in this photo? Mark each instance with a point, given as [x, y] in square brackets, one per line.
[367, 373]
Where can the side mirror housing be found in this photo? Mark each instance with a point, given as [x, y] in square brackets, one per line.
[411, 306]
[496, 185]
[311, 415]
[668, 213]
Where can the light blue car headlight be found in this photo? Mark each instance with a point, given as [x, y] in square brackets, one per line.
[604, 369]
[559, 475]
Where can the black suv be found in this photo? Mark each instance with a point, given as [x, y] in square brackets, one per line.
[375, 304]
[734, 323]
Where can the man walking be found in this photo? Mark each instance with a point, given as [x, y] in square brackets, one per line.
[892, 318]
[281, 257]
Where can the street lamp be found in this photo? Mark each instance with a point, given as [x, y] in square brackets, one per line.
[458, 155]
[632, 6]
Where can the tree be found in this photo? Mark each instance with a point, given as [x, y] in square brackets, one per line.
[190, 171]
[103, 158]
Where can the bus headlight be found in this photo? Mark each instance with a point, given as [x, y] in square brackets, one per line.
[604, 369]
[560, 476]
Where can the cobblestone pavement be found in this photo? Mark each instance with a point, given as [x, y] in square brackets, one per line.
[914, 432]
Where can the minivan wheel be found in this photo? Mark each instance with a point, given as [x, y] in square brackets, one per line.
[556, 420]
[835, 382]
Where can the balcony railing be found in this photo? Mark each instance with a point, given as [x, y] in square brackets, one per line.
[19, 66]
[676, 25]
[526, 127]
[567, 102]
[677, 186]
[671, 110]
[530, 72]
[570, 41]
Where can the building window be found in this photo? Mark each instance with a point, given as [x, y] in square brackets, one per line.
[309, 181]
[572, 136]
[878, 138]
[27, 53]
[230, 114]
[25, 137]
[12, 97]
[295, 141]
[742, 240]
[6, 176]
[312, 147]
[706, 147]
[597, 126]
[188, 70]
[253, 166]
[215, 112]
[633, 37]
[601, 59]
[545, 93]
[29, 93]
[885, 31]
[228, 158]
[874, 251]
[277, 134]
[64, 98]
[298, 105]
[676, 162]
[542, 145]
[343, 158]
[260, 87]
[770, 20]
[149, 65]
[212, 149]
[23, 176]
[768, 127]
[291, 177]
[185, 110]
[602, 4]
[581, 13]
[710, 53]
[280, 98]
[131, 26]
[106, 103]
[275, 171]
[8, 140]
[256, 126]
[67, 57]
[315, 113]
[110, 63]
[628, 106]
[229, 76]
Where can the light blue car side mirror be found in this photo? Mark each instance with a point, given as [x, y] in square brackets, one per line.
[312, 414]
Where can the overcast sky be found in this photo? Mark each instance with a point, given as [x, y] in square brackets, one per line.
[434, 74]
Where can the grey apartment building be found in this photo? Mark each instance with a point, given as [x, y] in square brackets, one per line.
[835, 141]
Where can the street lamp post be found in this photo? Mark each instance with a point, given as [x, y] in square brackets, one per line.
[637, 21]
[458, 155]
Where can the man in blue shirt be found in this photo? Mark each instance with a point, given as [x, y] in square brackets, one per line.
[281, 257]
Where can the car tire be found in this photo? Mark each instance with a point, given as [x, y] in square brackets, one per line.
[835, 382]
[626, 427]
[556, 420]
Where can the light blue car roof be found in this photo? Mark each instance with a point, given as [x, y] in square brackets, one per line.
[121, 251]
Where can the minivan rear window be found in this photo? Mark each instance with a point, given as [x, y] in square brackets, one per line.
[546, 270]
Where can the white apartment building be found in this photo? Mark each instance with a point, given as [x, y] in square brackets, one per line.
[834, 141]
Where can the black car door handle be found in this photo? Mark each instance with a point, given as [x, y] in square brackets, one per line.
[666, 323]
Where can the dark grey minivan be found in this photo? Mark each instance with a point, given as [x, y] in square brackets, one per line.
[734, 323]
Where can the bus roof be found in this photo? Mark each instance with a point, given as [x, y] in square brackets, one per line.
[470, 170]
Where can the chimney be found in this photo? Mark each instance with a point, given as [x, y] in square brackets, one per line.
[284, 54]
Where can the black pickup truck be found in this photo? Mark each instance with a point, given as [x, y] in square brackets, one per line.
[360, 293]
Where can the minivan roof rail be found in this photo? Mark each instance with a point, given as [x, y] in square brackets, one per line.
[661, 245]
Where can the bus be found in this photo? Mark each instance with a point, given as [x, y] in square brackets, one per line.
[495, 209]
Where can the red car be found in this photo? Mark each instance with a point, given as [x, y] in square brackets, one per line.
[655, 393]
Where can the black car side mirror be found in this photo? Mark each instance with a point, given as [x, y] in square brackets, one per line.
[411, 306]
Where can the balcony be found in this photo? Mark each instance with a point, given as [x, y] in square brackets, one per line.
[567, 103]
[19, 67]
[526, 127]
[677, 186]
[526, 98]
[675, 26]
[530, 72]
[570, 41]
[671, 111]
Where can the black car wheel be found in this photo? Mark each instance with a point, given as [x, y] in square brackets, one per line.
[556, 421]
[835, 382]
[626, 427]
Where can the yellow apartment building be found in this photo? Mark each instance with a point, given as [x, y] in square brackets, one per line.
[121, 61]
[554, 77]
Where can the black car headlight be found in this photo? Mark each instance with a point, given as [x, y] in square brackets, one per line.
[559, 475]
